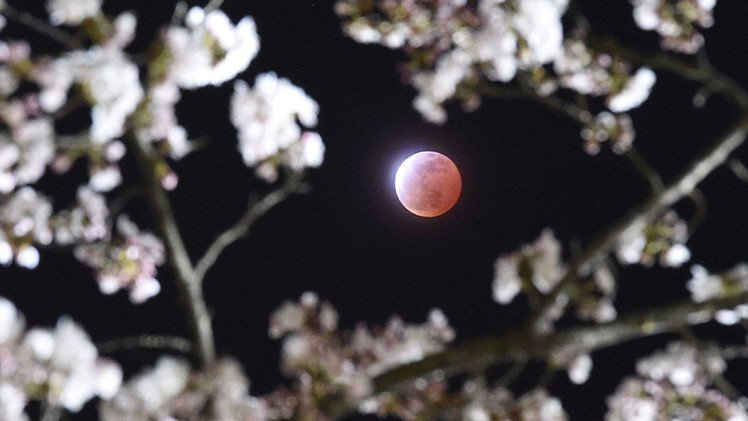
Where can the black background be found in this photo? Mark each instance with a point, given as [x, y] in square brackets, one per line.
[350, 241]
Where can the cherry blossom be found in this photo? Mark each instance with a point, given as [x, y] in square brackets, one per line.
[72, 12]
[128, 260]
[536, 265]
[676, 21]
[210, 50]
[265, 117]
[171, 389]
[59, 366]
[24, 221]
[25, 152]
[85, 222]
[674, 384]
[662, 239]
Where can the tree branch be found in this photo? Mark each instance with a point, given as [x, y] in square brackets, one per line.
[515, 346]
[44, 28]
[700, 71]
[681, 187]
[177, 256]
[255, 210]
[171, 343]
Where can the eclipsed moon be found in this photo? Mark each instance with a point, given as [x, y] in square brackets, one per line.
[428, 184]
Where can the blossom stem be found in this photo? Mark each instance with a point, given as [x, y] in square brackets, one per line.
[177, 256]
[522, 344]
[255, 210]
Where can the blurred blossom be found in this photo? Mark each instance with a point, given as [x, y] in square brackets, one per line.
[676, 21]
[85, 222]
[674, 384]
[110, 82]
[25, 153]
[210, 50]
[24, 221]
[59, 366]
[171, 390]
[617, 128]
[128, 260]
[705, 286]
[499, 404]
[663, 239]
[455, 47]
[72, 12]
[341, 364]
[634, 92]
[266, 116]
[536, 265]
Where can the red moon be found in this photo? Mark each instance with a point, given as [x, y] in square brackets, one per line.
[428, 184]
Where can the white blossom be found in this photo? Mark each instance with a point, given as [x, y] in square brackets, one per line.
[210, 50]
[127, 261]
[110, 80]
[72, 12]
[59, 366]
[24, 154]
[266, 116]
[24, 218]
[634, 92]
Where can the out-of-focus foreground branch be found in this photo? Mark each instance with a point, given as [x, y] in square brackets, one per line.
[521, 344]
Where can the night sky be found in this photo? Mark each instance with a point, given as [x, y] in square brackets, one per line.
[349, 240]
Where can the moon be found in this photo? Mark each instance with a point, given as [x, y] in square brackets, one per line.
[428, 184]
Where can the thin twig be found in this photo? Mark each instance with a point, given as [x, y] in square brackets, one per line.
[170, 343]
[646, 170]
[44, 28]
[255, 210]
[522, 344]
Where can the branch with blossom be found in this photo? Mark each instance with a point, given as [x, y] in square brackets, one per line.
[457, 50]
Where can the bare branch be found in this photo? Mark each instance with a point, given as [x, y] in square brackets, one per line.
[521, 344]
[255, 210]
[169, 343]
[177, 256]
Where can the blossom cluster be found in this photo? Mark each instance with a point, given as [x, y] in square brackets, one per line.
[674, 384]
[676, 21]
[269, 136]
[128, 99]
[330, 364]
[127, 261]
[59, 366]
[171, 390]
[537, 268]
[473, 402]
[457, 48]
[661, 239]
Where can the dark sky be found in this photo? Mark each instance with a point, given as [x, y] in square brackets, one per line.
[523, 169]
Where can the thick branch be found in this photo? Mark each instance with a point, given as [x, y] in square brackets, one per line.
[255, 210]
[176, 251]
[515, 346]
